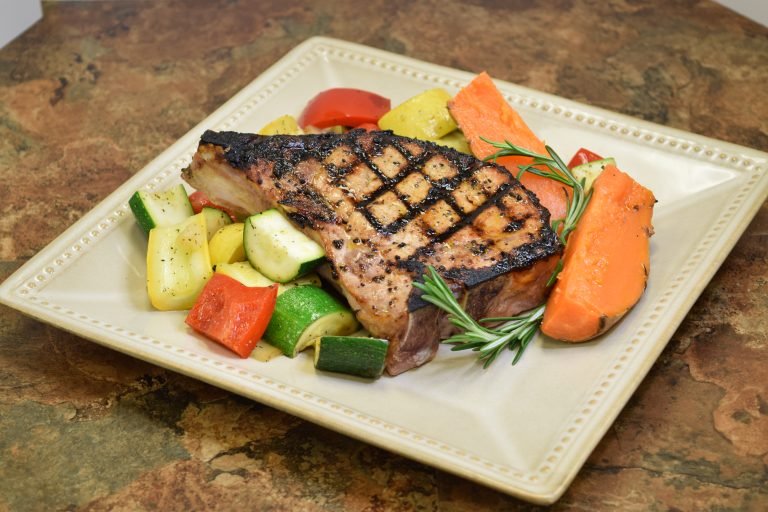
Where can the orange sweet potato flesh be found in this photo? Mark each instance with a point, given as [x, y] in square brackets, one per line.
[480, 110]
[606, 260]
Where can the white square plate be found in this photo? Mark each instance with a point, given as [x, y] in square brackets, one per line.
[525, 430]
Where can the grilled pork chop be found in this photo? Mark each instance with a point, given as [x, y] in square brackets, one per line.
[384, 207]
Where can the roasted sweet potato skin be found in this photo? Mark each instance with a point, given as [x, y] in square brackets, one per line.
[482, 112]
[606, 260]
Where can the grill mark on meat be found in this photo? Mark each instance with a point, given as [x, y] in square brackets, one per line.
[470, 217]
[384, 208]
[364, 157]
[389, 184]
[439, 190]
[288, 153]
[308, 198]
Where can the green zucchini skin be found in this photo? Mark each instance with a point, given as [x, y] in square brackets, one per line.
[215, 219]
[351, 355]
[299, 312]
[591, 170]
[160, 209]
[277, 249]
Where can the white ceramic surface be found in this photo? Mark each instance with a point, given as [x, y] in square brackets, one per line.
[525, 430]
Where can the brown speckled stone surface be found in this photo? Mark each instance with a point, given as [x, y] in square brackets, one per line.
[95, 90]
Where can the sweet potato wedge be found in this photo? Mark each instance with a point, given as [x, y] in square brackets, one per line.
[606, 260]
[480, 110]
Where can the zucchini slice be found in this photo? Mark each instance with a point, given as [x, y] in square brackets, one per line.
[352, 355]
[264, 352]
[311, 279]
[305, 313]
[178, 264]
[591, 170]
[215, 219]
[277, 249]
[243, 271]
[161, 209]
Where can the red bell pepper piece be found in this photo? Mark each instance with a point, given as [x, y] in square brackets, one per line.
[344, 107]
[583, 156]
[199, 201]
[233, 314]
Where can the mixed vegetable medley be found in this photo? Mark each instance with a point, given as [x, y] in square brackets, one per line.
[250, 279]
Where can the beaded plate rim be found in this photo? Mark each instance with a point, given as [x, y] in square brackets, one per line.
[551, 476]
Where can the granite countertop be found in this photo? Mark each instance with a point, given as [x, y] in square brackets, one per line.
[95, 90]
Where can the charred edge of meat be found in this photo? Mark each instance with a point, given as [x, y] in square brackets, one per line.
[314, 207]
[286, 151]
[236, 146]
[300, 219]
[524, 257]
[243, 150]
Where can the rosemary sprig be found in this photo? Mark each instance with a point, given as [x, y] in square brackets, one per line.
[516, 332]
[557, 170]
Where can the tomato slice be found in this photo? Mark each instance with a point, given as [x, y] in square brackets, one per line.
[583, 156]
[233, 314]
[199, 201]
[345, 107]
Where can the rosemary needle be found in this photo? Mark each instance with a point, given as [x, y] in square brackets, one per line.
[555, 170]
[515, 332]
